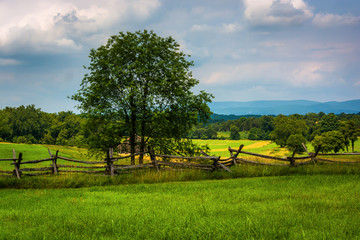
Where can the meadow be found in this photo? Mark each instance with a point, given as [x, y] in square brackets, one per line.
[253, 202]
[287, 207]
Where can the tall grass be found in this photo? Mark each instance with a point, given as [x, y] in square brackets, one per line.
[76, 180]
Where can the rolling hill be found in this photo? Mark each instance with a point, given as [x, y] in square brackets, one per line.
[284, 107]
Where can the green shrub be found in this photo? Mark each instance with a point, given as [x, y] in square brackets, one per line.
[294, 142]
[21, 139]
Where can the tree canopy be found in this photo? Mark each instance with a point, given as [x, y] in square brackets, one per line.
[143, 82]
[285, 127]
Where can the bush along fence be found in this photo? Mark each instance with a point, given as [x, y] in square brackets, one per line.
[109, 166]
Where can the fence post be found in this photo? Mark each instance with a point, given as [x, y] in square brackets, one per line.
[215, 163]
[17, 165]
[153, 158]
[54, 161]
[313, 157]
[237, 153]
[291, 159]
[232, 156]
[110, 164]
[305, 148]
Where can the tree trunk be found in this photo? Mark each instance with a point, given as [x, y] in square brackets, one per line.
[132, 130]
[143, 122]
[142, 149]
[352, 145]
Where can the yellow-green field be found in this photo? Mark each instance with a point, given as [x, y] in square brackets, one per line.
[220, 147]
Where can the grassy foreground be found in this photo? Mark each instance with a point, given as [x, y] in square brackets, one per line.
[288, 207]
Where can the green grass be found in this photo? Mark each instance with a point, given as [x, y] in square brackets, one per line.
[30, 152]
[289, 207]
[38, 152]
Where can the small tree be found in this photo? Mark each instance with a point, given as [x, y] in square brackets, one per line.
[234, 132]
[285, 126]
[329, 141]
[294, 142]
[353, 132]
[256, 134]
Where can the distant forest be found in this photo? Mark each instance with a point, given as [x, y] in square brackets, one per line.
[28, 124]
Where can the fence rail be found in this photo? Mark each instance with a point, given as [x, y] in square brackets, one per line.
[107, 166]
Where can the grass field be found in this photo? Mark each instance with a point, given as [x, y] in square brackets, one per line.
[288, 207]
[37, 152]
[253, 202]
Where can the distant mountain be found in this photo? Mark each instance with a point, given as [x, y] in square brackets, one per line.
[284, 107]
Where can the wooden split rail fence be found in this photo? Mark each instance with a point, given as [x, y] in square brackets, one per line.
[110, 166]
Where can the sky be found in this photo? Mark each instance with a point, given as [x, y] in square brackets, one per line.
[243, 50]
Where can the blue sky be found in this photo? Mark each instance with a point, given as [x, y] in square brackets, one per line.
[243, 50]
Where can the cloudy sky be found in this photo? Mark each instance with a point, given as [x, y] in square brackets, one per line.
[243, 50]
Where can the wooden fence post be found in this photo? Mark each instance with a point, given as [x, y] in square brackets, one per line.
[153, 158]
[215, 163]
[237, 153]
[291, 159]
[110, 163]
[54, 161]
[313, 157]
[305, 148]
[17, 165]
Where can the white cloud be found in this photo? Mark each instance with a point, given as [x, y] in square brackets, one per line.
[65, 25]
[334, 20]
[8, 62]
[296, 74]
[200, 27]
[231, 27]
[224, 28]
[276, 12]
[307, 74]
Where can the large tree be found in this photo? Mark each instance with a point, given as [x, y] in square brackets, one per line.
[143, 81]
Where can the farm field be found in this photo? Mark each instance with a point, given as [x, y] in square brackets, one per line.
[220, 147]
[288, 207]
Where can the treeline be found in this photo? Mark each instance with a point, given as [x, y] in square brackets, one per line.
[28, 124]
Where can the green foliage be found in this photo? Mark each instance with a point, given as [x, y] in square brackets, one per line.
[234, 133]
[329, 123]
[285, 127]
[183, 147]
[294, 142]
[48, 139]
[329, 141]
[103, 133]
[200, 132]
[351, 132]
[257, 134]
[143, 81]
[21, 139]
[31, 125]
